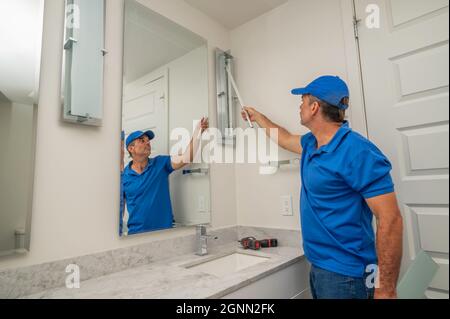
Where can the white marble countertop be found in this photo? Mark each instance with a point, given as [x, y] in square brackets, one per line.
[170, 279]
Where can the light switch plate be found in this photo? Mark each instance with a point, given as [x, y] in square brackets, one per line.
[201, 204]
[286, 206]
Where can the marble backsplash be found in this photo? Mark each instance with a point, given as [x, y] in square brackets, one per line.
[20, 282]
[286, 238]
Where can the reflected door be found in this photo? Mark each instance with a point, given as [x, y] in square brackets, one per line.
[145, 109]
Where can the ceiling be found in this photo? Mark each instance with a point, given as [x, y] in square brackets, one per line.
[20, 38]
[152, 40]
[233, 13]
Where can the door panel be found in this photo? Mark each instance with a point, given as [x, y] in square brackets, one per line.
[406, 10]
[405, 72]
[441, 279]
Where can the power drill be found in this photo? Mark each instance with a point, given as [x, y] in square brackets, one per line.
[254, 244]
[250, 243]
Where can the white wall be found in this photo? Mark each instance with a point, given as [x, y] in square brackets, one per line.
[5, 123]
[76, 177]
[5, 115]
[285, 48]
[16, 148]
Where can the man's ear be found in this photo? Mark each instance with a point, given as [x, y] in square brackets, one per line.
[315, 107]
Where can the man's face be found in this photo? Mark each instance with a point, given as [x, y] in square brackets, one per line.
[140, 147]
[305, 110]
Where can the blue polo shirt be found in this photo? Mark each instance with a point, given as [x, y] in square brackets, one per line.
[336, 221]
[147, 196]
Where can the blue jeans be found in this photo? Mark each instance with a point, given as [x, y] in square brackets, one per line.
[329, 285]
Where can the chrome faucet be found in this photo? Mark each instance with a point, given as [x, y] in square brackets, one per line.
[202, 240]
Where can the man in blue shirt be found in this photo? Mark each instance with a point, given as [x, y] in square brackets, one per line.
[145, 181]
[345, 181]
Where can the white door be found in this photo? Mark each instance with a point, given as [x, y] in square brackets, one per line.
[405, 73]
[145, 109]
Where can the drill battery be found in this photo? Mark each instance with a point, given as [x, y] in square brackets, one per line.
[268, 243]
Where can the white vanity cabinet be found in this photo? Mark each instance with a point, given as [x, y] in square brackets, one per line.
[291, 282]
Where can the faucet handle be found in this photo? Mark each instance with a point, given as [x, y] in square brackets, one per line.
[201, 232]
[202, 240]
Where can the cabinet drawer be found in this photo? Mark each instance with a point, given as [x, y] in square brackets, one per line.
[286, 283]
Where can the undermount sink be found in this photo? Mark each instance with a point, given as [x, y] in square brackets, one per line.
[228, 264]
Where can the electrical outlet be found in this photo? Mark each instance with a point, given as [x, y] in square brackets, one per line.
[286, 206]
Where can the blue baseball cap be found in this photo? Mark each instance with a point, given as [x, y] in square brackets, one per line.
[330, 89]
[138, 134]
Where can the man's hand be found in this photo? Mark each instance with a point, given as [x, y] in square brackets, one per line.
[187, 157]
[204, 124]
[252, 113]
[286, 140]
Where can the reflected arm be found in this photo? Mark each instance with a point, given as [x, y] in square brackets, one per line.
[180, 161]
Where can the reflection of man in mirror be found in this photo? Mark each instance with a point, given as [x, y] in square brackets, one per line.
[145, 181]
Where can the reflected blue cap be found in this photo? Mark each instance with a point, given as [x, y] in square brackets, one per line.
[138, 134]
[330, 89]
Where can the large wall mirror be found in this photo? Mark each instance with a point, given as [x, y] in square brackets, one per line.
[21, 24]
[165, 92]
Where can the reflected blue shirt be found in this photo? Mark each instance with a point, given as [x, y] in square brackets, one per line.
[336, 221]
[147, 196]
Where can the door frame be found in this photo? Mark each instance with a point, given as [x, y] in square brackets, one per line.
[355, 83]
